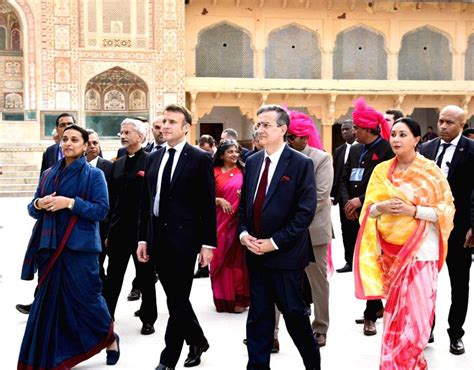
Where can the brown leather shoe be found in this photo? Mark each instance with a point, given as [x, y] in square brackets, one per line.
[276, 346]
[369, 327]
[320, 338]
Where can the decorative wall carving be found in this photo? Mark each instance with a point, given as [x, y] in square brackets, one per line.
[92, 100]
[62, 72]
[13, 100]
[12, 68]
[114, 100]
[62, 37]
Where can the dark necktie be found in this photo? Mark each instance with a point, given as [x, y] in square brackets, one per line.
[155, 148]
[439, 161]
[165, 184]
[260, 199]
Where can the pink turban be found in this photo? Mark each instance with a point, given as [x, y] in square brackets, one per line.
[367, 117]
[302, 125]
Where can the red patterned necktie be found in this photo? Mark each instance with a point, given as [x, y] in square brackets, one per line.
[260, 199]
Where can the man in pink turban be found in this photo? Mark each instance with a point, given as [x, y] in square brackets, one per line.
[372, 132]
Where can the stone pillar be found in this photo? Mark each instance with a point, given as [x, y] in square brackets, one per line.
[260, 63]
[327, 135]
[458, 64]
[194, 112]
[326, 64]
[392, 65]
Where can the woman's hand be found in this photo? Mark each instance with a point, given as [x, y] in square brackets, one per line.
[396, 207]
[54, 203]
[225, 205]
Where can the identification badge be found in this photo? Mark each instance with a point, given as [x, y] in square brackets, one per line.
[356, 174]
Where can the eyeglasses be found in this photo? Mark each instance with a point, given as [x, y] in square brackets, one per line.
[264, 125]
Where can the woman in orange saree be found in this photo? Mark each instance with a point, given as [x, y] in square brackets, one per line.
[402, 244]
[228, 271]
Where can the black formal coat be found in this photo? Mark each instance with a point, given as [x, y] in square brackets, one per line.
[106, 167]
[126, 185]
[461, 181]
[376, 154]
[288, 209]
[191, 221]
[338, 165]
[50, 157]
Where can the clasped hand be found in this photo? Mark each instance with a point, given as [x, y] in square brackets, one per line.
[53, 203]
[257, 246]
[396, 207]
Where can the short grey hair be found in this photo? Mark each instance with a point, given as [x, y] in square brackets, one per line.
[283, 117]
[231, 132]
[91, 132]
[138, 125]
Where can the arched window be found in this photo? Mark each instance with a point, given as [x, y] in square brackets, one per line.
[3, 38]
[293, 52]
[16, 39]
[425, 55]
[469, 68]
[224, 51]
[360, 55]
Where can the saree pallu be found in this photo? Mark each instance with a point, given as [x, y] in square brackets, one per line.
[228, 270]
[384, 258]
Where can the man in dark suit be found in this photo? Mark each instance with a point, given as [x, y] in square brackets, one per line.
[348, 228]
[278, 203]
[454, 154]
[94, 159]
[123, 150]
[177, 222]
[125, 193]
[371, 150]
[54, 153]
[157, 131]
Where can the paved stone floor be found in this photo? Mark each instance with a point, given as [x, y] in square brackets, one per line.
[347, 348]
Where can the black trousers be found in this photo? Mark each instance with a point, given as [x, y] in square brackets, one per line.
[176, 270]
[285, 289]
[119, 255]
[349, 235]
[459, 262]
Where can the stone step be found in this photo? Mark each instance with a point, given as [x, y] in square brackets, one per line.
[17, 194]
[16, 174]
[18, 187]
[18, 180]
[20, 167]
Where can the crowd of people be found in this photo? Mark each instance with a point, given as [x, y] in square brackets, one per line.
[259, 223]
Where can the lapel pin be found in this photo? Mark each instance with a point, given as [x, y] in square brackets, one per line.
[461, 149]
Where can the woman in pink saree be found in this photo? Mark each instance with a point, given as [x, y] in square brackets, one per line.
[229, 276]
[402, 244]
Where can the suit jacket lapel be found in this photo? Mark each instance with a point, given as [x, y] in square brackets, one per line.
[458, 154]
[183, 158]
[277, 175]
[433, 149]
[253, 179]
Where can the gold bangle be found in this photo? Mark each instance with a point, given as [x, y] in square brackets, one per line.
[35, 204]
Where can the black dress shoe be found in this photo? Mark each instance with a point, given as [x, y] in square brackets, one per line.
[346, 268]
[147, 329]
[24, 308]
[163, 367]
[201, 272]
[194, 355]
[134, 295]
[113, 356]
[456, 347]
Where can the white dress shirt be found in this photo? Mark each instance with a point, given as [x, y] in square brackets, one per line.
[448, 155]
[274, 158]
[179, 148]
[93, 163]
[348, 149]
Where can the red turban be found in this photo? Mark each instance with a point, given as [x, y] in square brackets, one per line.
[302, 125]
[367, 117]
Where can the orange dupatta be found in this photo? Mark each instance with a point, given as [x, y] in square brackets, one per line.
[399, 237]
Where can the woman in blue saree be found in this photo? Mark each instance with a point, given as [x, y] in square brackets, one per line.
[69, 321]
